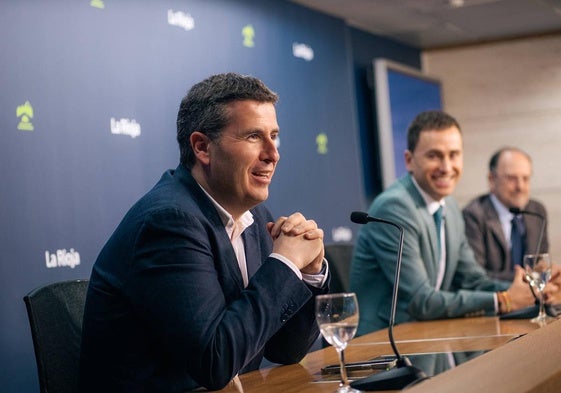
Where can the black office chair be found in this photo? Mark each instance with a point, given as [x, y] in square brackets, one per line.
[55, 314]
[339, 256]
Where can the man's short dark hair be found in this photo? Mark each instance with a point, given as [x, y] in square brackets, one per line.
[426, 121]
[494, 161]
[205, 107]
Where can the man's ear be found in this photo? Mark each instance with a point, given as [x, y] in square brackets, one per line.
[408, 157]
[200, 145]
[491, 178]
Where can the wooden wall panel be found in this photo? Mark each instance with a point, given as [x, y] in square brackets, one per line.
[507, 93]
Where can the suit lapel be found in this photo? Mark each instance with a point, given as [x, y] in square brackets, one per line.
[433, 263]
[228, 265]
[494, 225]
[232, 264]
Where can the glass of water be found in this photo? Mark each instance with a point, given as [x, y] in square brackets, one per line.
[538, 273]
[337, 317]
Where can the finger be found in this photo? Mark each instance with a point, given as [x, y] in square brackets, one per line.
[519, 273]
[270, 228]
[314, 234]
[292, 221]
[275, 229]
[300, 228]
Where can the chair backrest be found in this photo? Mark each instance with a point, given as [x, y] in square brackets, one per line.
[55, 314]
[339, 256]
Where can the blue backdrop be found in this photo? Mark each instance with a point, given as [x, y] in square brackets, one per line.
[89, 97]
[408, 95]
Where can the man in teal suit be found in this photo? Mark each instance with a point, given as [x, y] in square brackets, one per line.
[439, 279]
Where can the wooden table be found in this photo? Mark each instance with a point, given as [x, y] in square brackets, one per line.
[517, 350]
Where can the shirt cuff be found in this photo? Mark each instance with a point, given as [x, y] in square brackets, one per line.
[315, 280]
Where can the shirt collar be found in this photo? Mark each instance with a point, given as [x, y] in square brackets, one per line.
[432, 204]
[502, 211]
[246, 219]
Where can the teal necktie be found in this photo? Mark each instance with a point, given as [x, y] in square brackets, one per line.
[438, 222]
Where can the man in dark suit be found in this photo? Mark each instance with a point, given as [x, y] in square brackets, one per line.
[198, 282]
[489, 223]
[439, 276]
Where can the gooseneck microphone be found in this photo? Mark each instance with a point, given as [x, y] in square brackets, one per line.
[517, 211]
[403, 373]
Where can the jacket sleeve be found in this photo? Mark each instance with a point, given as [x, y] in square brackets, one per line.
[292, 342]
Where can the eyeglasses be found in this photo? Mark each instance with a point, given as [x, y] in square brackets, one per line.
[513, 179]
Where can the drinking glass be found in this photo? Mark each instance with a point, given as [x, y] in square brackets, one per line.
[538, 273]
[337, 317]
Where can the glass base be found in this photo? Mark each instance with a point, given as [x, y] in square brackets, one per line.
[347, 389]
[542, 320]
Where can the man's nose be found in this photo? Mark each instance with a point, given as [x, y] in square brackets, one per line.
[270, 150]
[445, 164]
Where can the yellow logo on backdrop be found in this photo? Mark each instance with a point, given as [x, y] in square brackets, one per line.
[25, 114]
[97, 4]
[248, 33]
[321, 141]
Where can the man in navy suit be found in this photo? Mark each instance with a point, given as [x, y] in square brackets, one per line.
[198, 282]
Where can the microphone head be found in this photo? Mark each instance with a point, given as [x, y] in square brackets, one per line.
[515, 210]
[359, 217]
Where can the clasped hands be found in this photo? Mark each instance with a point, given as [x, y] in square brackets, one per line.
[300, 240]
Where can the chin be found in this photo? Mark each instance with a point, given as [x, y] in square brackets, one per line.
[257, 199]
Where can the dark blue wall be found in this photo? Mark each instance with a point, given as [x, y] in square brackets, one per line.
[365, 48]
[94, 77]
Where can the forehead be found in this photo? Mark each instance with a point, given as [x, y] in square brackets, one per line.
[514, 161]
[250, 111]
[447, 139]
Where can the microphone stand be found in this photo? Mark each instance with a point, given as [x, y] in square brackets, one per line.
[403, 373]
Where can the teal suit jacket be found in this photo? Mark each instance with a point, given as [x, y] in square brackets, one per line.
[466, 289]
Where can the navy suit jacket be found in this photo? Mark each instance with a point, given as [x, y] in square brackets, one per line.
[166, 310]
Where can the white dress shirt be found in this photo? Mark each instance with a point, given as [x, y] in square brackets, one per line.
[234, 229]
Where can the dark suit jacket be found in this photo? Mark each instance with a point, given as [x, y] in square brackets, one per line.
[486, 237]
[465, 291]
[166, 310]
